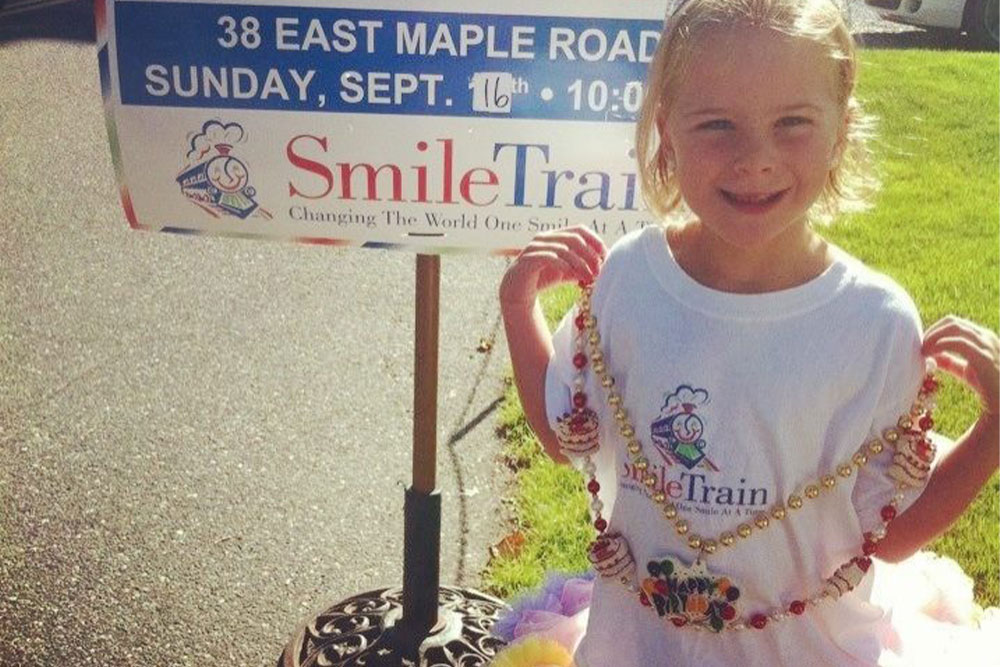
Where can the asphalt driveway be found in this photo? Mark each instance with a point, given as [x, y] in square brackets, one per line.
[202, 441]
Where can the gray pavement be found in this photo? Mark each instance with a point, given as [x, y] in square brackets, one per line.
[203, 441]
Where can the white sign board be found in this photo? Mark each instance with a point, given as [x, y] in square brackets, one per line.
[436, 126]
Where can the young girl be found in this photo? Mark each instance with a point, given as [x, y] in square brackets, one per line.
[748, 403]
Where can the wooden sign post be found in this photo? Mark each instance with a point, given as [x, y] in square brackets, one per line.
[422, 527]
[423, 623]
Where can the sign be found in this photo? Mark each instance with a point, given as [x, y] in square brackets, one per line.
[435, 126]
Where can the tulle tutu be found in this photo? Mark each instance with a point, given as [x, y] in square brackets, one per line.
[536, 652]
[931, 618]
[553, 615]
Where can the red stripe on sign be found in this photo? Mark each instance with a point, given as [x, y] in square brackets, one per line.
[129, 210]
[316, 240]
[100, 20]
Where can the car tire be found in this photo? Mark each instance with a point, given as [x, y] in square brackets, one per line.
[982, 22]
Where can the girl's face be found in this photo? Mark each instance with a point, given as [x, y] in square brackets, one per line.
[753, 131]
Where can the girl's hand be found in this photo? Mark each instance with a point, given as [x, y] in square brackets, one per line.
[566, 255]
[969, 352]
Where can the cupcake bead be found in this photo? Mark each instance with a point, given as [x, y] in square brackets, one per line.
[578, 432]
[611, 557]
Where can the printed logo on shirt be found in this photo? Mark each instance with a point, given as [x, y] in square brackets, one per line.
[677, 434]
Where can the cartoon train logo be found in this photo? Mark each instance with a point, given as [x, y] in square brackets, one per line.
[677, 434]
[216, 180]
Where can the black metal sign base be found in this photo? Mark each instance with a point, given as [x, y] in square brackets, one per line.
[362, 631]
[422, 624]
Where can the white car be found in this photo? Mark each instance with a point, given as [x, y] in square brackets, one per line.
[979, 18]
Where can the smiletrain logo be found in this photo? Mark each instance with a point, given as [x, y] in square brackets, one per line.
[514, 175]
[214, 179]
[677, 435]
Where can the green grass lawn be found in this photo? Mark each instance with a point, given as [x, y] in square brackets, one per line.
[934, 229]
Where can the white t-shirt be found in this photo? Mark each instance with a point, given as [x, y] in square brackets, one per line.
[776, 390]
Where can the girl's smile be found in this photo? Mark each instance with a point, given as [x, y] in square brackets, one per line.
[753, 202]
[753, 134]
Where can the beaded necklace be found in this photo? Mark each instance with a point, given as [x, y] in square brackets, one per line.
[692, 596]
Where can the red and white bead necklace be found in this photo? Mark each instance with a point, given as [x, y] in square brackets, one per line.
[691, 596]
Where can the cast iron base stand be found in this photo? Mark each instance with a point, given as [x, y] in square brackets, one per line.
[424, 624]
[390, 628]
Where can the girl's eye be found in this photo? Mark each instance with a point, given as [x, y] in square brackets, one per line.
[717, 124]
[792, 121]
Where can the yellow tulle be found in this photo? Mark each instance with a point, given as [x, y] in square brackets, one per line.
[534, 652]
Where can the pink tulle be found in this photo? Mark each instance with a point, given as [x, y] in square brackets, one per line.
[931, 617]
[576, 595]
[558, 611]
[567, 630]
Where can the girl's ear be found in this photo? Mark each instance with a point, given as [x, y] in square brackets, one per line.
[661, 129]
[840, 144]
[666, 149]
[668, 159]
[835, 156]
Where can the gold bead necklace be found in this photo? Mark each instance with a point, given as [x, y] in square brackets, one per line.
[578, 433]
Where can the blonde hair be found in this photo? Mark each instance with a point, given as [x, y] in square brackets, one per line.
[850, 180]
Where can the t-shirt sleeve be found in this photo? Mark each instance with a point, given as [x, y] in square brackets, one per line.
[560, 371]
[903, 377]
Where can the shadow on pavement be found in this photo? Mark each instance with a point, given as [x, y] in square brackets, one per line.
[73, 21]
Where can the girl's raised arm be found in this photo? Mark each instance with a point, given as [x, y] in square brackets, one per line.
[972, 354]
[570, 255]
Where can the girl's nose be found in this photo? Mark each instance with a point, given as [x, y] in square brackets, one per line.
[754, 156]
